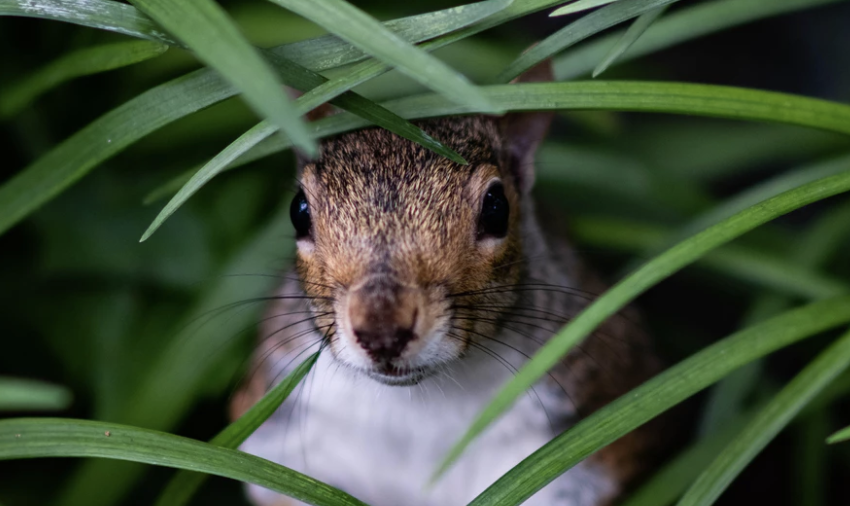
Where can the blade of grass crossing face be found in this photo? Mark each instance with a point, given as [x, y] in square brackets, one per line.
[103, 14]
[840, 436]
[75, 64]
[363, 31]
[637, 28]
[660, 394]
[657, 269]
[181, 488]
[768, 423]
[210, 33]
[577, 31]
[29, 395]
[22, 438]
[685, 24]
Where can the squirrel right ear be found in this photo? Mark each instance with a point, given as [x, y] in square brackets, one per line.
[522, 132]
[316, 114]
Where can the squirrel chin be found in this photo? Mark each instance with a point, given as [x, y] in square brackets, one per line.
[398, 377]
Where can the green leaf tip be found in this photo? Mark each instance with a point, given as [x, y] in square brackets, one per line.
[840, 436]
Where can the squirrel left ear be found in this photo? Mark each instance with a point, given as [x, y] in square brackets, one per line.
[316, 114]
[522, 132]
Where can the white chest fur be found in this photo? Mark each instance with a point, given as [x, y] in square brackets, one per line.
[382, 443]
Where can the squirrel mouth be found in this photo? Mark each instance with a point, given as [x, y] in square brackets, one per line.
[397, 376]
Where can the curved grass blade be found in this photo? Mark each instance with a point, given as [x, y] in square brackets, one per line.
[840, 436]
[75, 64]
[747, 264]
[103, 14]
[637, 28]
[660, 394]
[655, 270]
[685, 24]
[25, 438]
[208, 31]
[28, 395]
[768, 423]
[578, 6]
[181, 488]
[577, 31]
[351, 24]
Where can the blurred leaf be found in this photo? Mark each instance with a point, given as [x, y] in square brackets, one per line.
[685, 24]
[578, 6]
[637, 28]
[57, 437]
[659, 394]
[577, 31]
[765, 269]
[103, 14]
[29, 395]
[652, 272]
[75, 64]
[842, 435]
[211, 34]
[181, 488]
[351, 24]
[768, 423]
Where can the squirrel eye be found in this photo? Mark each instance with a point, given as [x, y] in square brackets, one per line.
[299, 212]
[493, 221]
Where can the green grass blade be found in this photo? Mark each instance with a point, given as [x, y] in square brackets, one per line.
[659, 394]
[75, 64]
[768, 423]
[762, 268]
[840, 436]
[578, 6]
[637, 28]
[655, 270]
[181, 488]
[577, 31]
[685, 24]
[24, 438]
[102, 14]
[28, 395]
[208, 31]
[363, 31]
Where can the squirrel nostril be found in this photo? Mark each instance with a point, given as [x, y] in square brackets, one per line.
[384, 344]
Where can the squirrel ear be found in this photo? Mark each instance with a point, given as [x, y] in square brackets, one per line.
[316, 114]
[522, 132]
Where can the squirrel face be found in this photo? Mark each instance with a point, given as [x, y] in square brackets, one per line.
[394, 240]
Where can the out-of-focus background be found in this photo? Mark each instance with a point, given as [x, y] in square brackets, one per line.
[83, 304]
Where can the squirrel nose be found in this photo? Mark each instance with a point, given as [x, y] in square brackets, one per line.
[383, 317]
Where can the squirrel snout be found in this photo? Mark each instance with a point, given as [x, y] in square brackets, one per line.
[383, 316]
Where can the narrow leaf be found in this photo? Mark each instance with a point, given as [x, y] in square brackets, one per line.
[654, 271]
[181, 488]
[768, 423]
[75, 64]
[838, 437]
[28, 395]
[209, 32]
[660, 394]
[637, 28]
[577, 31]
[25, 438]
[578, 6]
[363, 31]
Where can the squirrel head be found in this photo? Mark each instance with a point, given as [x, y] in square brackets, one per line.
[398, 246]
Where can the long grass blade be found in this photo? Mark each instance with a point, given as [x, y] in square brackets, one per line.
[29, 395]
[209, 32]
[26, 438]
[655, 270]
[577, 31]
[637, 28]
[659, 394]
[840, 436]
[578, 6]
[72, 65]
[363, 31]
[768, 423]
[184, 484]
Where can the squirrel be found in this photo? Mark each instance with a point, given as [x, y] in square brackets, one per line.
[426, 284]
